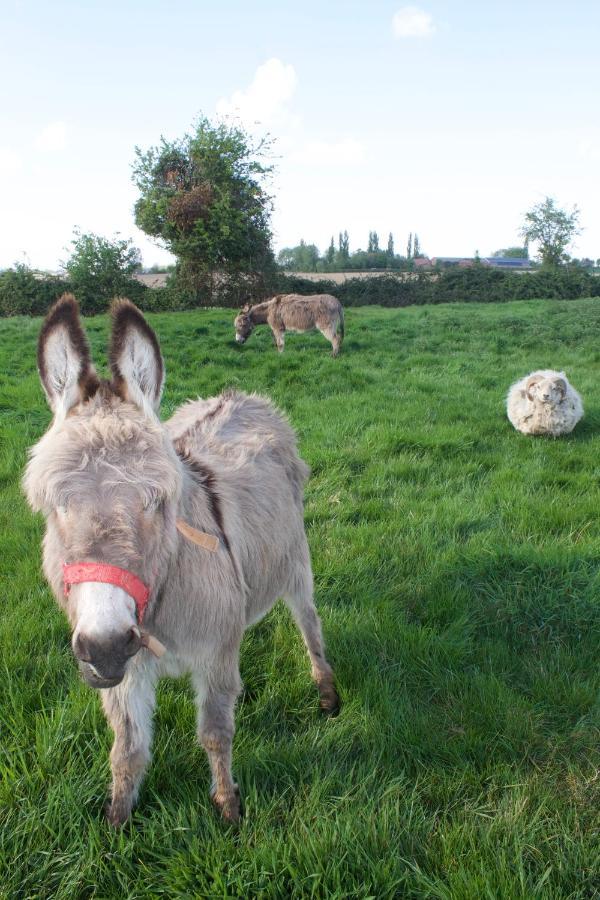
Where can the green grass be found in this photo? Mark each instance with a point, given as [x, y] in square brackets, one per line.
[457, 570]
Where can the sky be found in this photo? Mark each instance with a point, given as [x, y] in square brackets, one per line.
[446, 119]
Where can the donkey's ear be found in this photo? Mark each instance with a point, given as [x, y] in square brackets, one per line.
[135, 359]
[63, 357]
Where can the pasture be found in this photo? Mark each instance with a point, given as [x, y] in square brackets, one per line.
[457, 572]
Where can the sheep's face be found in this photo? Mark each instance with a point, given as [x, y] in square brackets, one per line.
[549, 391]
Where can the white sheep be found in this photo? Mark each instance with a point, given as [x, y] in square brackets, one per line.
[544, 403]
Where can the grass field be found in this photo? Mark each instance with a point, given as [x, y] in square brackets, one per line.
[457, 569]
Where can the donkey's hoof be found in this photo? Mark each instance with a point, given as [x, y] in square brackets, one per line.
[117, 814]
[228, 805]
[329, 700]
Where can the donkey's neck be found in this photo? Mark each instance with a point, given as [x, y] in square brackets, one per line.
[200, 504]
[258, 314]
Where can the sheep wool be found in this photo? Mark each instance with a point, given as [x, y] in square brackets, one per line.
[544, 403]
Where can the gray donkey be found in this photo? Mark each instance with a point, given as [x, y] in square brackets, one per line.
[294, 312]
[164, 542]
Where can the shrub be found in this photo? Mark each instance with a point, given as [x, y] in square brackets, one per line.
[25, 293]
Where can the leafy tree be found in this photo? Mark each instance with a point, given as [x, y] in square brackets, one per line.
[204, 198]
[416, 247]
[100, 269]
[552, 229]
[512, 253]
[330, 255]
[409, 246]
[303, 258]
[373, 246]
[344, 246]
[390, 246]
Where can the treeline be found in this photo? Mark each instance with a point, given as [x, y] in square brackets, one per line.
[339, 258]
[22, 292]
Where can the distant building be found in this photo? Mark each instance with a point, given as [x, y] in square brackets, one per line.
[495, 262]
[463, 261]
[508, 262]
[422, 262]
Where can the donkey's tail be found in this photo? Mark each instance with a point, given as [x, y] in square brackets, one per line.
[341, 322]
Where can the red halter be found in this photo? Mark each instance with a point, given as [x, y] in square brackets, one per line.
[77, 573]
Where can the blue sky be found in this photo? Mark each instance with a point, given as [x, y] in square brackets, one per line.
[446, 119]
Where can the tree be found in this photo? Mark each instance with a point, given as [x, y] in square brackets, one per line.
[416, 247]
[409, 246]
[512, 253]
[373, 246]
[344, 246]
[100, 269]
[330, 255]
[552, 229]
[303, 258]
[390, 246]
[204, 198]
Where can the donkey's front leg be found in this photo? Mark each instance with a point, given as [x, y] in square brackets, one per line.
[129, 708]
[279, 337]
[217, 691]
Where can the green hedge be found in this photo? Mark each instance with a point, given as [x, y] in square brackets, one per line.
[23, 293]
[26, 293]
[478, 284]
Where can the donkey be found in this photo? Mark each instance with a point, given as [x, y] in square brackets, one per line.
[294, 312]
[164, 542]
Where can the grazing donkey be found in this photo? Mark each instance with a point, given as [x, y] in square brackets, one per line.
[294, 312]
[127, 500]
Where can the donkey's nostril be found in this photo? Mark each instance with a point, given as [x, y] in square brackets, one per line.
[134, 641]
[81, 648]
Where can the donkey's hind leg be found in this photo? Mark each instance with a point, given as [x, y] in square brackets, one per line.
[216, 691]
[334, 337]
[299, 599]
[129, 708]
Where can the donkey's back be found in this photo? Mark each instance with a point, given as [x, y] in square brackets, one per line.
[246, 434]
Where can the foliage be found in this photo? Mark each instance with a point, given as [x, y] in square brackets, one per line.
[552, 229]
[512, 253]
[24, 292]
[100, 269]
[302, 258]
[305, 257]
[478, 284]
[456, 573]
[203, 196]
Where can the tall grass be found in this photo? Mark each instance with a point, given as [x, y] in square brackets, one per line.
[457, 574]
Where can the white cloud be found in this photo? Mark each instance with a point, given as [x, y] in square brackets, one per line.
[265, 100]
[10, 162]
[589, 149]
[52, 138]
[346, 152]
[410, 21]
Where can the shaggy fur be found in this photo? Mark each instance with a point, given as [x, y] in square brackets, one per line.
[544, 403]
[111, 481]
[294, 312]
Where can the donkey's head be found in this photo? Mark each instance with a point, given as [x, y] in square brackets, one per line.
[107, 480]
[243, 324]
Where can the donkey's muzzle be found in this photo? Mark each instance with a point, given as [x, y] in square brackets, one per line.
[102, 663]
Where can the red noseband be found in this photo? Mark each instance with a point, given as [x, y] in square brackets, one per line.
[77, 573]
